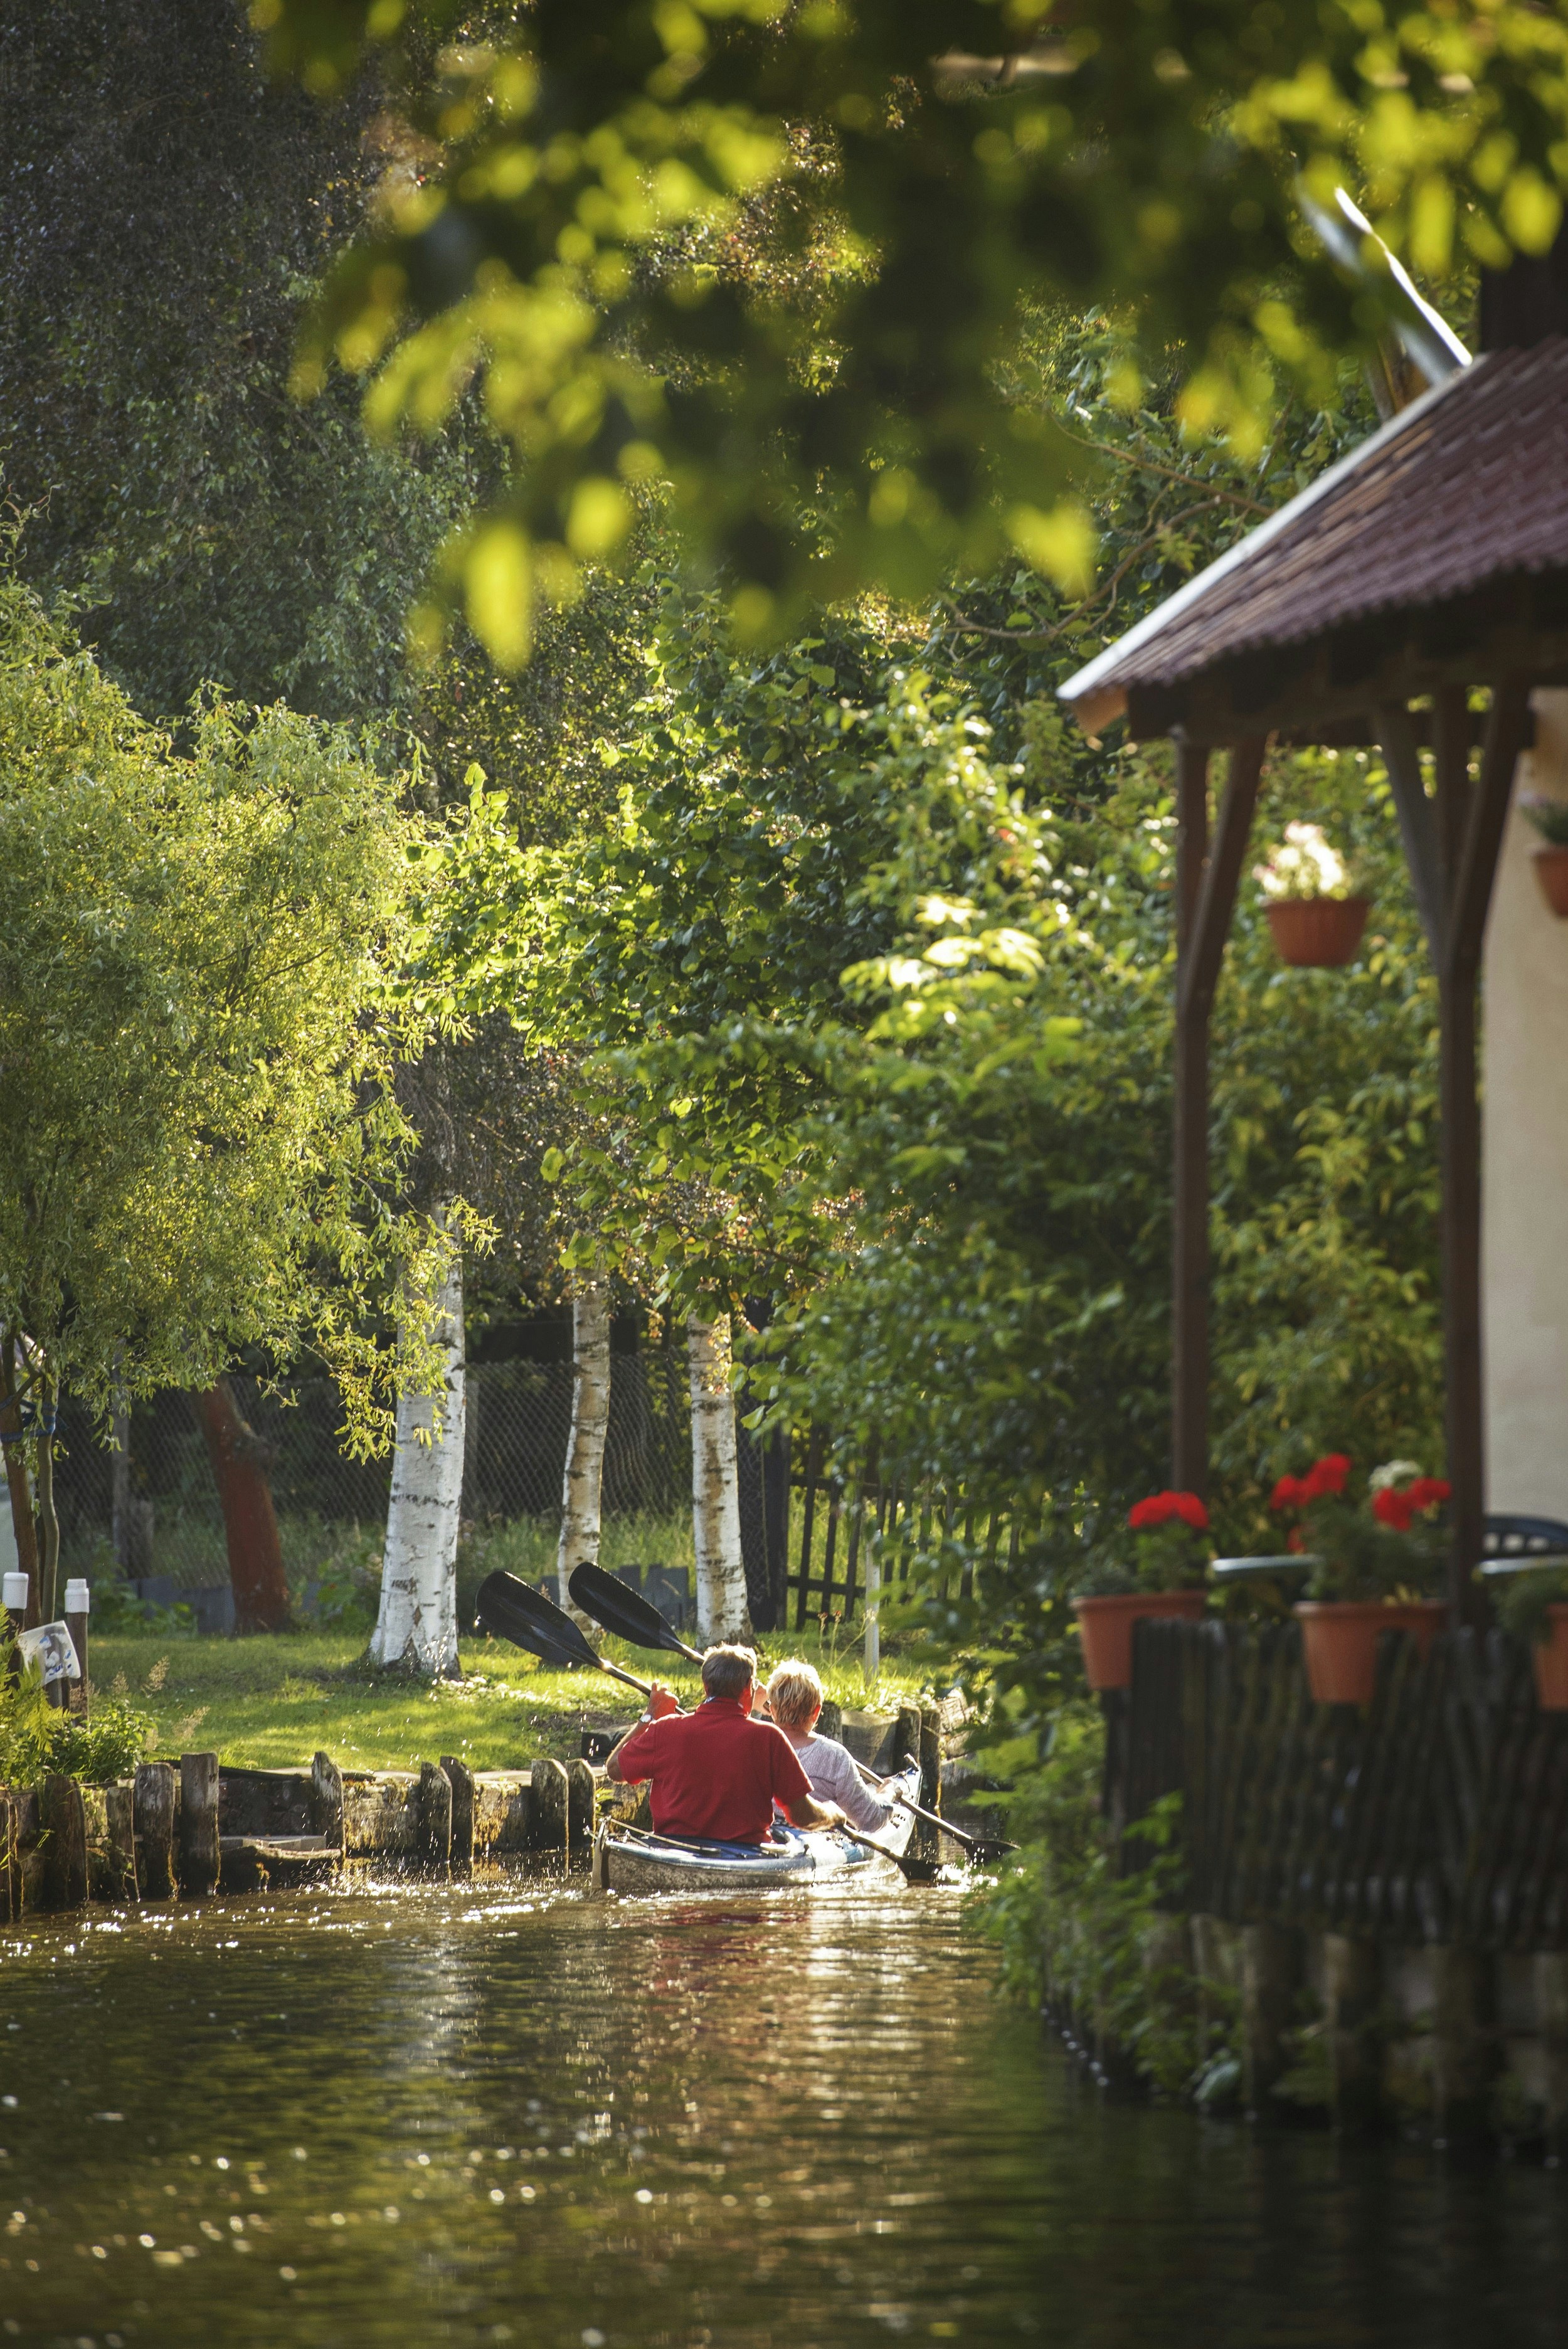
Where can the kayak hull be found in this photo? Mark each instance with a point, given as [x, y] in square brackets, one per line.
[632, 1861]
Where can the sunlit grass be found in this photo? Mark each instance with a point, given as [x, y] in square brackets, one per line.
[273, 1701]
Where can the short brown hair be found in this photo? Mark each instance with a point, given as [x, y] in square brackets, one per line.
[728, 1671]
[794, 1693]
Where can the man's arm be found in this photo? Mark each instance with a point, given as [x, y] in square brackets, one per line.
[662, 1704]
[805, 1810]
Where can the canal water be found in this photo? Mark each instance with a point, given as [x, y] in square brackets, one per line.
[468, 2116]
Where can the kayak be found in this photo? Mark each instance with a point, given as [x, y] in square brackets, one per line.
[634, 1860]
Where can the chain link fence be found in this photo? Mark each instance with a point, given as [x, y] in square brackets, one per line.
[151, 1516]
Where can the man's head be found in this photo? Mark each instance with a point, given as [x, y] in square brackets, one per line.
[794, 1695]
[729, 1671]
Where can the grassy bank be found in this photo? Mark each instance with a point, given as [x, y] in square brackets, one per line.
[271, 1702]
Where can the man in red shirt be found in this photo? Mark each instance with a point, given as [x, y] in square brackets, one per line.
[716, 1772]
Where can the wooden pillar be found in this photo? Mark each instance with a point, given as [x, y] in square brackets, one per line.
[579, 1807]
[1205, 899]
[1352, 1997]
[326, 1799]
[64, 1820]
[153, 1803]
[1476, 821]
[434, 1850]
[462, 1835]
[551, 1812]
[200, 1858]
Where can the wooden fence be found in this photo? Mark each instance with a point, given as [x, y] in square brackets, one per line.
[1440, 1814]
[839, 1526]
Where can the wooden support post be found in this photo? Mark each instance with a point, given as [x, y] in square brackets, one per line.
[1478, 824]
[1464, 2043]
[1352, 1998]
[63, 1821]
[1552, 2022]
[1216, 1966]
[1270, 1972]
[579, 1807]
[1205, 899]
[199, 1858]
[433, 1850]
[154, 1814]
[551, 1807]
[119, 1811]
[326, 1800]
[461, 1779]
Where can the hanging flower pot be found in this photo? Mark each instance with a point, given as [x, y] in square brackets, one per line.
[1319, 933]
[1314, 912]
[1339, 1642]
[1105, 1627]
[1551, 864]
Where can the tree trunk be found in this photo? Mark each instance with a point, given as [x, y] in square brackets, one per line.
[417, 1628]
[17, 1479]
[721, 1609]
[582, 1486]
[48, 1517]
[240, 1461]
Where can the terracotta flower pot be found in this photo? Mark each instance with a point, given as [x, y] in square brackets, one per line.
[1552, 871]
[1105, 1627]
[1339, 1640]
[1319, 933]
[1551, 1655]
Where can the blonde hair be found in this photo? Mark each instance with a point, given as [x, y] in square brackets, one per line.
[794, 1693]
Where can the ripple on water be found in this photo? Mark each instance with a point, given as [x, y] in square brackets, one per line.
[412, 2114]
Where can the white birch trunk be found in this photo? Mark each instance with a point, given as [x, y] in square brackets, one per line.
[721, 1608]
[416, 1628]
[582, 1486]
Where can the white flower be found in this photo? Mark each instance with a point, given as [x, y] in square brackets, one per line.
[1303, 865]
[1393, 1472]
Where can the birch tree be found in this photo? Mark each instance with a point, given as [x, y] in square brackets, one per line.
[416, 1625]
[583, 1485]
[721, 1602]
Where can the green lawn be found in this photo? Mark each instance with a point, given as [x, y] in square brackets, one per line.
[271, 1702]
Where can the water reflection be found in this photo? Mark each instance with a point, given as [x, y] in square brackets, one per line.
[475, 2116]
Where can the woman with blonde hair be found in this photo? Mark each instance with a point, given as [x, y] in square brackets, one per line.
[794, 1696]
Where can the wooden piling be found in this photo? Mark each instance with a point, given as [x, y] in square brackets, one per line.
[1270, 1973]
[153, 1806]
[461, 1780]
[1464, 2043]
[63, 1822]
[1551, 2021]
[326, 1800]
[551, 1807]
[1216, 1965]
[200, 1858]
[579, 1807]
[433, 1850]
[1352, 2002]
[10, 1861]
[119, 1820]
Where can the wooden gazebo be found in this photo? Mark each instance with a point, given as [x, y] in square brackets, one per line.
[1426, 570]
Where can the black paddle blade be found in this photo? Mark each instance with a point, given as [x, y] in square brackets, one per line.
[529, 1620]
[625, 1612]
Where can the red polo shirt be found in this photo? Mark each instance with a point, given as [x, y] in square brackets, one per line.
[715, 1772]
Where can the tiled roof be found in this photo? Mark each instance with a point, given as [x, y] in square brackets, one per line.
[1467, 486]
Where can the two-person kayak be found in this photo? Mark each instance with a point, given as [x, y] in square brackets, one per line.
[635, 1861]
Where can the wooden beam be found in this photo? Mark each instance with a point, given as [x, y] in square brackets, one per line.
[1506, 733]
[1417, 822]
[1453, 739]
[1206, 897]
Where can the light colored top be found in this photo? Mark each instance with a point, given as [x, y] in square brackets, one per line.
[835, 1779]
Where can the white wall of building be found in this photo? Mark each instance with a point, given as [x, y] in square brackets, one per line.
[1524, 1158]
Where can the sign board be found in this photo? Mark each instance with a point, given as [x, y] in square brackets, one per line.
[53, 1649]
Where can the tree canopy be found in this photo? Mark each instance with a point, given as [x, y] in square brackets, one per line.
[766, 262]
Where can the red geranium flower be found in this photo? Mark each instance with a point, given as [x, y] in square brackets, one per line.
[1158, 1509]
[1394, 1507]
[1429, 1492]
[1290, 1493]
[1327, 1475]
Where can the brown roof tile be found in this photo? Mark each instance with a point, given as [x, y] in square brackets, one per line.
[1468, 486]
